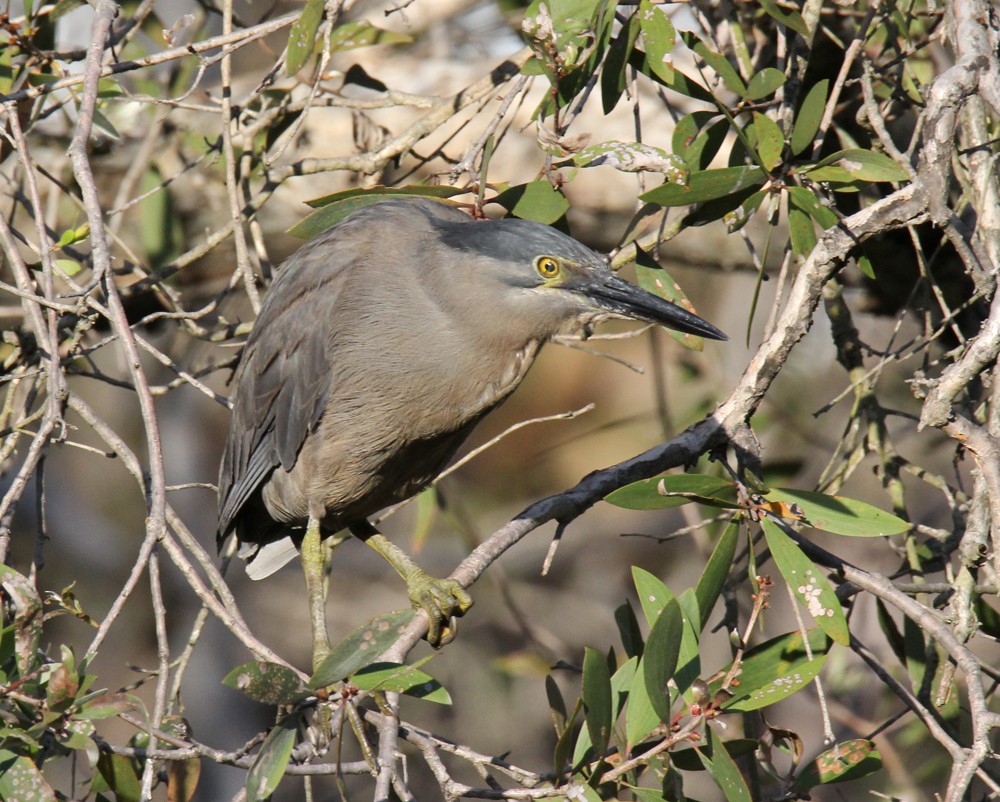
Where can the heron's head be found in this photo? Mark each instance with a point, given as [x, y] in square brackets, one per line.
[539, 269]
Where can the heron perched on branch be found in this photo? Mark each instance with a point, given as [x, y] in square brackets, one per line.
[379, 346]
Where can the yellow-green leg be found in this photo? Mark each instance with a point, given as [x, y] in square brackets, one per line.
[314, 559]
[441, 599]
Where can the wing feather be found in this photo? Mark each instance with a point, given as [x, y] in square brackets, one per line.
[283, 381]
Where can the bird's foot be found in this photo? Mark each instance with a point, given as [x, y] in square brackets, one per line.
[443, 600]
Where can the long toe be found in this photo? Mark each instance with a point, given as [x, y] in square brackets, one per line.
[443, 600]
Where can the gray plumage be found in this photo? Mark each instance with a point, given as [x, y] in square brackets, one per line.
[381, 344]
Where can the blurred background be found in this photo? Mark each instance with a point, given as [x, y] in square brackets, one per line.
[158, 161]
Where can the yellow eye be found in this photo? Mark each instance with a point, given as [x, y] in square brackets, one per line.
[547, 267]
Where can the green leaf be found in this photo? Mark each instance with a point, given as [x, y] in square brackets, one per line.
[69, 267]
[597, 700]
[801, 231]
[653, 594]
[688, 656]
[724, 770]
[673, 490]
[790, 19]
[340, 205]
[690, 759]
[659, 660]
[561, 754]
[119, 773]
[713, 578]
[107, 706]
[538, 201]
[21, 780]
[633, 157]
[270, 683]
[613, 71]
[557, 705]
[658, 37]
[765, 83]
[807, 201]
[848, 760]
[628, 629]
[857, 165]
[707, 185]
[770, 141]
[361, 647]
[698, 137]
[640, 716]
[73, 235]
[678, 81]
[398, 678]
[809, 117]
[737, 216]
[62, 687]
[352, 35]
[719, 63]
[865, 266]
[657, 281]
[775, 670]
[272, 759]
[807, 580]
[302, 36]
[27, 621]
[841, 515]
[621, 682]
[105, 126]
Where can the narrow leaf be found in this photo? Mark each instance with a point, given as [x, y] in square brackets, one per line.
[538, 201]
[807, 201]
[361, 647]
[790, 19]
[302, 36]
[801, 231]
[633, 157]
[557, 706]
[398, 678]
[706, 185]
[848, 760]
[640, 716]
[269, 767]
[775, 670]
[808, 582]
[597, 700]
[653, 594]
[672, 490]
[270, 683]
[720, 64]
[654, 279]
[118, 772]
[615, 63]
[659, 660]
[628, 630]
[809, 117]
[362, 33]
[859, 165]
[765, 83]
[658, 36]
[840, 515]
[688, 656]
[770, 141]
[713, 578]
[724, 770]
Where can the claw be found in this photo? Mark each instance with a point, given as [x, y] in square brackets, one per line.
[443, 600]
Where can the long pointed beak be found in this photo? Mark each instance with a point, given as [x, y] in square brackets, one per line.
[616, 295]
